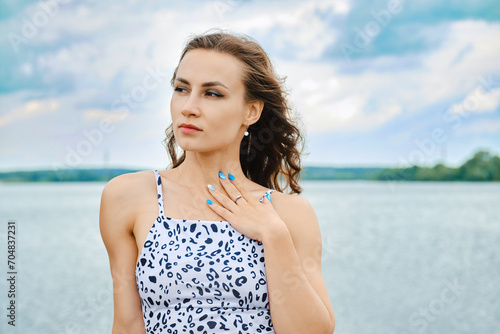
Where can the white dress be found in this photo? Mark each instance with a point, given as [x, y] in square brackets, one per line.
[199, 276]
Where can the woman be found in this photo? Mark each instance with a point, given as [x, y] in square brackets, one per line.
[220, 257]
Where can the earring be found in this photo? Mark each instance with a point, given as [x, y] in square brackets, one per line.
[249, 140]
[249, 144]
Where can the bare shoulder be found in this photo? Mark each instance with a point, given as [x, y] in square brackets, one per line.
[291, 205]
[126, 185]
[129, 187]
[121, 194]
[298, 214]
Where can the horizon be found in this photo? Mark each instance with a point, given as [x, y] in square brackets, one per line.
[131, 167]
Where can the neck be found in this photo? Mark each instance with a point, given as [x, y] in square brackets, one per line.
[200, 169]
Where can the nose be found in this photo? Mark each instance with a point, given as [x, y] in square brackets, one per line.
[191, 106]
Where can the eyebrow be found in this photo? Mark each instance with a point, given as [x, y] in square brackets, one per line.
[205, 84]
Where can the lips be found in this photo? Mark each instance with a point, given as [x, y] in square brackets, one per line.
[190, 126]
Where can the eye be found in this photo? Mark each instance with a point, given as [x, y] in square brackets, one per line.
[214, 93]
[180, 89]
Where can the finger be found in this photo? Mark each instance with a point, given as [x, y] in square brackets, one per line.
[221, 211]
[222, 198]
[230, 189]
[239, 188]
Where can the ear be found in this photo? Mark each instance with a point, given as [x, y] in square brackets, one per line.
[254, 111]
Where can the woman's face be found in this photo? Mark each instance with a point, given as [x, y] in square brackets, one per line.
[209, 94]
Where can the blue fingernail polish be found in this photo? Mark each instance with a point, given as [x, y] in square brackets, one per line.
[268, 197]
[222, 176]
[210, 202]
[211, 187]
[231, 177]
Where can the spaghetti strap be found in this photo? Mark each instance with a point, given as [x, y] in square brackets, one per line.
[267, 192]
[160, 193]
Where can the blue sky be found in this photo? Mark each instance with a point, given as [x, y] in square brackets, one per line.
[373, 83]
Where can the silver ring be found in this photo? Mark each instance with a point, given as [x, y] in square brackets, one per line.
[237, 198]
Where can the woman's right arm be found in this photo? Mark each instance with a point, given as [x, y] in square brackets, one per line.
[116, 224]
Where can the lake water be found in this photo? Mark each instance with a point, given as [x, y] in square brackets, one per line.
[397, 257]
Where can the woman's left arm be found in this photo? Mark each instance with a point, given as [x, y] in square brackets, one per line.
[298, 296]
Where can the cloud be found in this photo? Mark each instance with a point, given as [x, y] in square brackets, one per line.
[411, 31]
[281, 28]
[485, 126]
[348, 115]
[332, 99]
[478, 101]
[96, 114]
[29, 109]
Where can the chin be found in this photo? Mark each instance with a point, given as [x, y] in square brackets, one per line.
[193, 147]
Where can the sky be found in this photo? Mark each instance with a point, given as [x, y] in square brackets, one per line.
[86, 84]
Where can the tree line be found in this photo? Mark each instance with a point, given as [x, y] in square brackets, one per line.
[483, 166]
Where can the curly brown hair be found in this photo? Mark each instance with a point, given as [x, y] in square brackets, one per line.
[271, 152]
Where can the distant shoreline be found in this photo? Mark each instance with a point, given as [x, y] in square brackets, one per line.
[482, 167]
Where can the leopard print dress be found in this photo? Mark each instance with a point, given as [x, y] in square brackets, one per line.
[199, 276]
